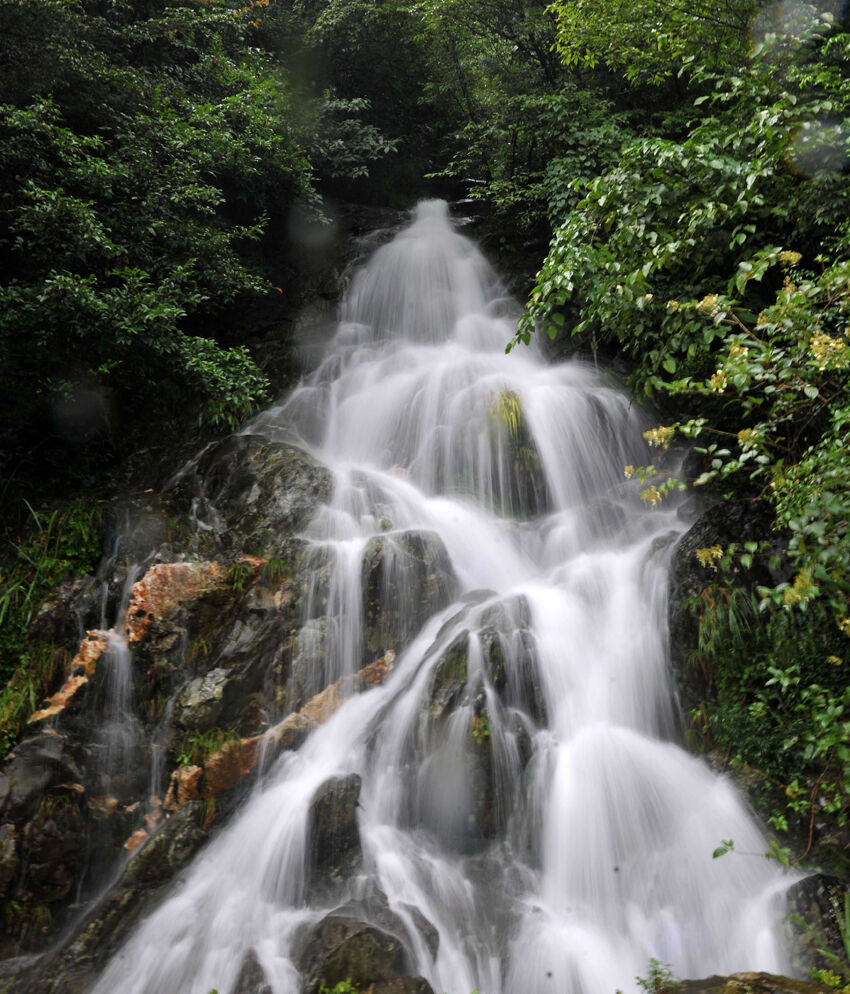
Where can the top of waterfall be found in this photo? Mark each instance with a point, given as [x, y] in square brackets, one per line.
[431, 210]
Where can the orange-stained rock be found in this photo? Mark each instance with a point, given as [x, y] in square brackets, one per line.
[164, 589]
[239, 757]
[234, 760]
[83, 665]
[91, 649]
[184, 786]
[135, 840]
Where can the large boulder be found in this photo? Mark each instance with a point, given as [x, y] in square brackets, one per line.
[341, 948]
[252, 977]
[249, 493]
[509, 652]
[815, 922]
[400, 985]
[73, 967]
[407, 577]
[335, 849]
[744, 983]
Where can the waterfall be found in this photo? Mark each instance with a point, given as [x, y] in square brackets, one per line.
[522, 786]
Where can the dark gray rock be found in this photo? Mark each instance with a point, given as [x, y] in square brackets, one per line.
[340, 948]
[74, 966]
[335, 849]
[251, 979]
[252, 492]
[8, 857]
[34, 765]
[401, 985]
[62, 617]
[510, 658]
[407, 577]
[816, 917]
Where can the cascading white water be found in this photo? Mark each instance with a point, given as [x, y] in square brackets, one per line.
[594, 852]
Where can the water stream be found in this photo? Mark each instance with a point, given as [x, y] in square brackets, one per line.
[545, 821]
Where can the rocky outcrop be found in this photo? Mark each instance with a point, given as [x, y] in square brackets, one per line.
[815, 922]
[400, 985]
[367, 941]
[407, 577]
[249, 492]
[342, 948]
[252, 978]
[744, 983]
[82, 668]
[74, 968]
[335, 851]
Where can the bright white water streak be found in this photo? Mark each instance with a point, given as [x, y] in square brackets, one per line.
[602, 853]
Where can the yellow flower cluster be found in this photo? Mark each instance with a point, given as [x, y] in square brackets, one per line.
[659, 437]
[738, 351]
[708, 304]
[800, 590]
[630, 472]
[652, 495]
[829, 352]
[747, 437]
[789, 258]
[719, 381]
[844, 625]
[710, 556]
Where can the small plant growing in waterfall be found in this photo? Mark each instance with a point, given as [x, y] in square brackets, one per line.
[660, 977]
[342, 987]
[479, 730]
[506, 411]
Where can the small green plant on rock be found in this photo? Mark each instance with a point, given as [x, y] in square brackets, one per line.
[841, 963]
[660, 977]
[479, 730]
[197, 747]
[343, 987]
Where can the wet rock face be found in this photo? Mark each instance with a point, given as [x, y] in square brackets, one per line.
[251, 979]
[407, 577]
[250, 492]
[335, 850]
[744, 983]
[816, 918]
[400, 985]
[510, 657]
[341, 948]
[476, 718]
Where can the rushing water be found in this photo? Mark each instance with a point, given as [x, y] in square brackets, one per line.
[594, 851]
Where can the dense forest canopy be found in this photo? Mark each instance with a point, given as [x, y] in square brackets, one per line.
[688, 161]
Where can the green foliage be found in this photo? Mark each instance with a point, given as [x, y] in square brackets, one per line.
[659, 979]
[650, 40]
[677, 218]
[841, 963]
[50, 546]
[197, 747]
[479, 729]
[343, 987]
[780, 699]
[144, 150]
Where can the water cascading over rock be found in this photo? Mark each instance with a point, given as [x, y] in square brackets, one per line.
[508, 810]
